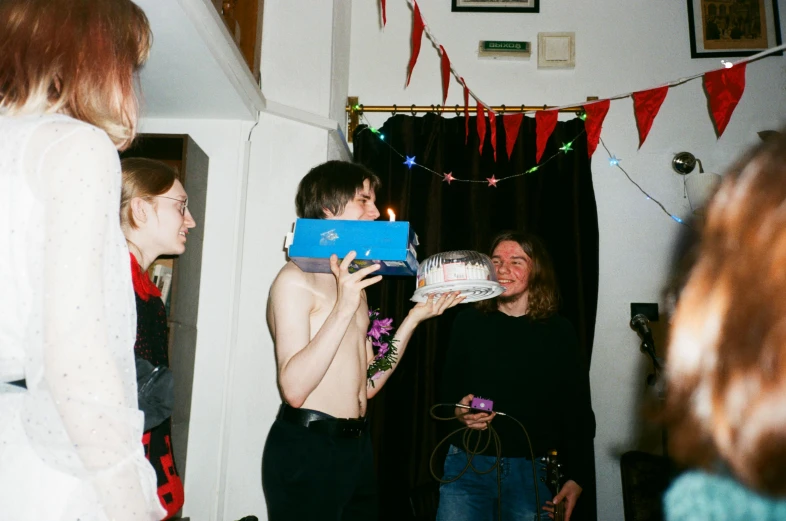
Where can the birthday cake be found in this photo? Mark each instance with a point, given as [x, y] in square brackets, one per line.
[467, 271]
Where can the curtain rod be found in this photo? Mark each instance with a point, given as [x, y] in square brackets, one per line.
[354, 108]
[457, 109]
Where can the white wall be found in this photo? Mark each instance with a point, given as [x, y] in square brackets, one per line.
[281, 154]
[621, 46]
[341, 36]
[305, 70]
[296, 54]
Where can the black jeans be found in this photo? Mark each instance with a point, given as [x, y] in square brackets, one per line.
[309, 475]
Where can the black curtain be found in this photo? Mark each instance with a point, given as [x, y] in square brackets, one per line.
[557, 202]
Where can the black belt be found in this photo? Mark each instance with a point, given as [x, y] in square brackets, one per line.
[323, 423]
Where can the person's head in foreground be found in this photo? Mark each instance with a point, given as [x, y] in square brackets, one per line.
[74, 57]
[726, 362]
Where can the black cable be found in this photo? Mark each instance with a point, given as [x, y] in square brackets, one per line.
[466, 440]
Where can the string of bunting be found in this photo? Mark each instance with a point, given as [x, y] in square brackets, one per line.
[724, 88]
[492, 181]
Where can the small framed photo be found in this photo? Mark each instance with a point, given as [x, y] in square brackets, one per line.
[496, 6]
[721, 28]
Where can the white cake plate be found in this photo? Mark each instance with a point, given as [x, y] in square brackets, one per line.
[472, 290]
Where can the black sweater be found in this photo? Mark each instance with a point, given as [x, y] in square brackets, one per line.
[532, 370]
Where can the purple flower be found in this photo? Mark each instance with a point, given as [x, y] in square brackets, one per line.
[375, 332]
[385, 324]
[383, 343]
[380, 327]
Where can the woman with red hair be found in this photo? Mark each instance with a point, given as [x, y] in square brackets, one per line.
[726, 401]
[70, 429]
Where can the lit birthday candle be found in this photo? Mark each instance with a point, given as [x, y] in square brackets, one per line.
[392, 215]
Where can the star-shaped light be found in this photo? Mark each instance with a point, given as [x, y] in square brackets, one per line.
[613, 161]
[448, 177]
[567, 147]
[492, 181]
[410, 161]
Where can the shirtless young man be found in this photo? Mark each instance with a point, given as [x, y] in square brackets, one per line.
[317, 462]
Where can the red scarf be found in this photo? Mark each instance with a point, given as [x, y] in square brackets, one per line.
[143, 286]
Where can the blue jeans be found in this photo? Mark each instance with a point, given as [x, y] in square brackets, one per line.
[473, 497]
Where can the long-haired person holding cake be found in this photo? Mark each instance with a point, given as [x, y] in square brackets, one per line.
[155, 219]
[70, 429]
[508, 349]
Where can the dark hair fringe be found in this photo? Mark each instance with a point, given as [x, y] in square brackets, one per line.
[331, 186]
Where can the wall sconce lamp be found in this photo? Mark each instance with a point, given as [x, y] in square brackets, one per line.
[699, 186]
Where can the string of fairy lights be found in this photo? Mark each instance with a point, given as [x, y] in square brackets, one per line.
[614, 161]
[492, 181]
[449, 177]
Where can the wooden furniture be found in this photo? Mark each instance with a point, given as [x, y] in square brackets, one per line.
[645, 477]
[243, 19]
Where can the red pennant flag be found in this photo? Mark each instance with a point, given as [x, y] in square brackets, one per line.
[466, 112]
[417, 34]
[493, 126]
[384, 14]
[512, 124]
[646, 104]
[445, 74]
[481, 123]
[724, 89]
[545, 121]
[596, 113]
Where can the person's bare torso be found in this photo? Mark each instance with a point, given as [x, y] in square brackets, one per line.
[342, 391]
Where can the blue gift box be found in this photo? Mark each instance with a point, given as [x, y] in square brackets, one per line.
[391, 244]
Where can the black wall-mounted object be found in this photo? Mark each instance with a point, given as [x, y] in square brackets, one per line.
[648, 309]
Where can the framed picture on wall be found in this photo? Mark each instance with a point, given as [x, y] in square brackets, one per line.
[496, 6]
[721, 28]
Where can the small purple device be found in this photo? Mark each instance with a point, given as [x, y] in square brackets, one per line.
[482, 404]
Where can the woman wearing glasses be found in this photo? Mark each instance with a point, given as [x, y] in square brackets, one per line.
[69, 422]
[155, 220]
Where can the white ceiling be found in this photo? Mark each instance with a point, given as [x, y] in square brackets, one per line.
[194, 70]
